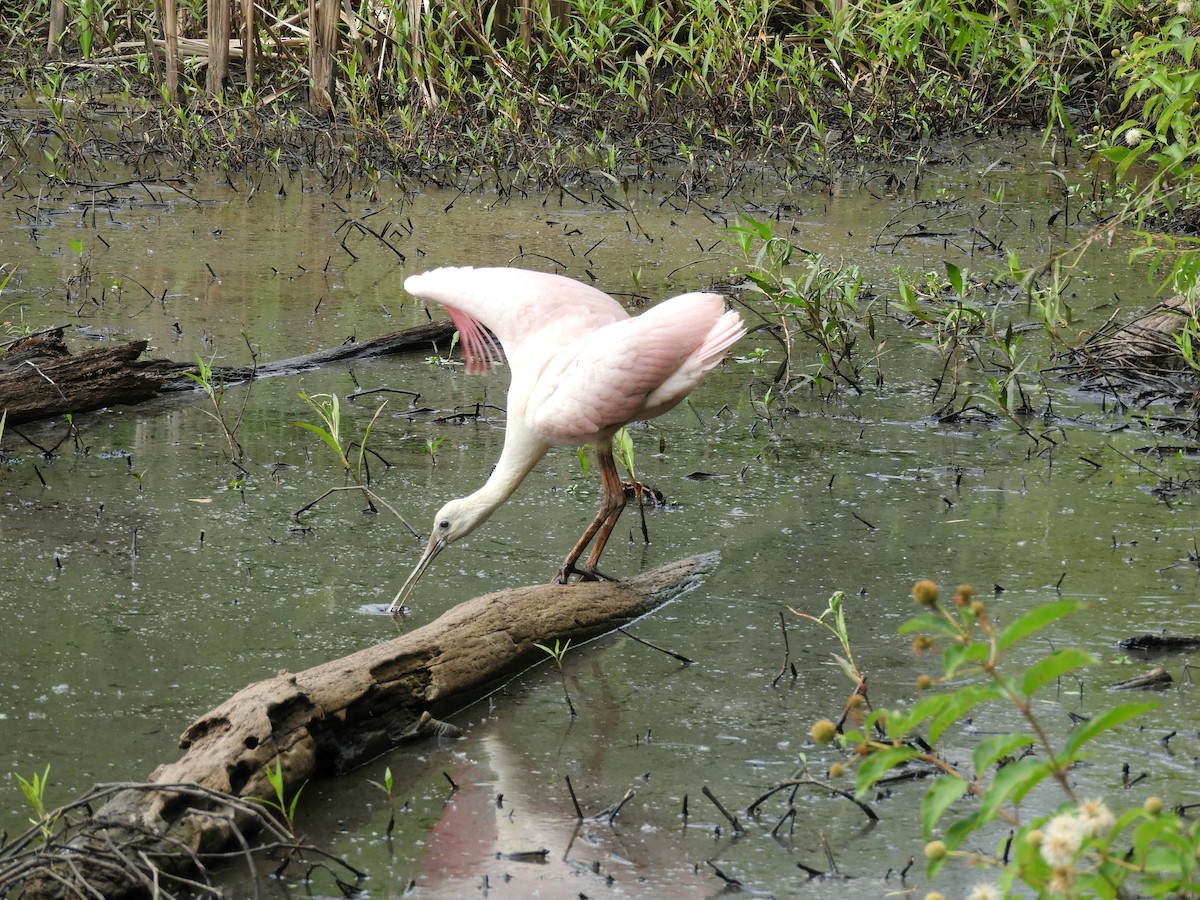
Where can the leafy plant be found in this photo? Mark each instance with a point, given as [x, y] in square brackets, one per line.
[328, 409]
[281, 804]
[557, 653]
[34, 789]
[1187, 340]
[1080, 849]
[214, 389]
[9, 328]
[387, 787]
[799, 294]
[833, 620]
[431, 447]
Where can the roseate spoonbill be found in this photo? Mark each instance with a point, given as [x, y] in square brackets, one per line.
[581, 368]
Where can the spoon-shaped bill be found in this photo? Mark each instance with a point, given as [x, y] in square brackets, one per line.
[432, 549]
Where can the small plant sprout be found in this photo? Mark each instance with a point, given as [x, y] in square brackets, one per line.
[833, 620]
[623, 453]
[388, 788]
[214, 389]
[328, 408]
[281, 804]
[431, 447]
[556, 653]
[1187, 342]
[34, 789]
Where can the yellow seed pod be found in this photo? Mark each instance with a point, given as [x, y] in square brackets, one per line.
[925, 592]
[822, 731]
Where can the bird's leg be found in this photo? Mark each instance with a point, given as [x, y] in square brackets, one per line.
[611, 504]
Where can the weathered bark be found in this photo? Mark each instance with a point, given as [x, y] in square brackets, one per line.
[331, 718]
[1161, 643]
[169, 26]
[219, 14]
[58, 23]
[36, 387]
[323, 17]
[39, 378]
[249, 41]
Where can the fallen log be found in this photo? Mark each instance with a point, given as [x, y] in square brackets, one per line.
[1160, 643]
[323, 722]
[40, 378]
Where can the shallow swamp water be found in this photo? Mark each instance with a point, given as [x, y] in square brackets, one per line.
[145, 579]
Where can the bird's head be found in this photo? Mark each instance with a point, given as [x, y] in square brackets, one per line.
[455, 520]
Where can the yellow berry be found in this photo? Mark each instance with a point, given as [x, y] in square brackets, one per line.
[837, 770]
[924, 682]
[823, 731]
[925, 592]
[935, 895]
[1034, 838]
[1153, 806]
[935, 850]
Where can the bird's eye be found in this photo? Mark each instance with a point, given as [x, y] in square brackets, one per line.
[444, 525]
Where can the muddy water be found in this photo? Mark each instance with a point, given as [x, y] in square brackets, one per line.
[145, 579]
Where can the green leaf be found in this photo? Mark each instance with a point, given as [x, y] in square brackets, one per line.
[941, 794]
[959, 830]
[954, 273]
[1051, 667]
[958, 655]
[993, 748]
[900, 722]
[929, 622]
[1014, 780]
[321, 433]
[878, 764]
[1100, 723]
[1036, 619]
[962, 701]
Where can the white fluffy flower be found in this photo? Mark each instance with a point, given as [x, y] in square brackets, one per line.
[1061, 840]
[1094, 818]
[1133, 137]
[984, 892]
[1062, 879]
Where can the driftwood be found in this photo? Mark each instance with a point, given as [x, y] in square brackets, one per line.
[40, 378]
[1161, 643]
[1141, 350]
[327, 720]
[1157, 679]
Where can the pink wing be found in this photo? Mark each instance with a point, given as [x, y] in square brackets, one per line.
[530, 313]
[632, 369]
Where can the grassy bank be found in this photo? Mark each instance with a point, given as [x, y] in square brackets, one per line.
[552, 89]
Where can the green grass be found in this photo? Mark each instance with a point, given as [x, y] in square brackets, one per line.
[619, 86]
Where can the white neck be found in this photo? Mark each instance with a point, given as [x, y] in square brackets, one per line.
[520, 454]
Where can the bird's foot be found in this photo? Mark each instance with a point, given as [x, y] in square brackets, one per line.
[567, 570]
[650, 496]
